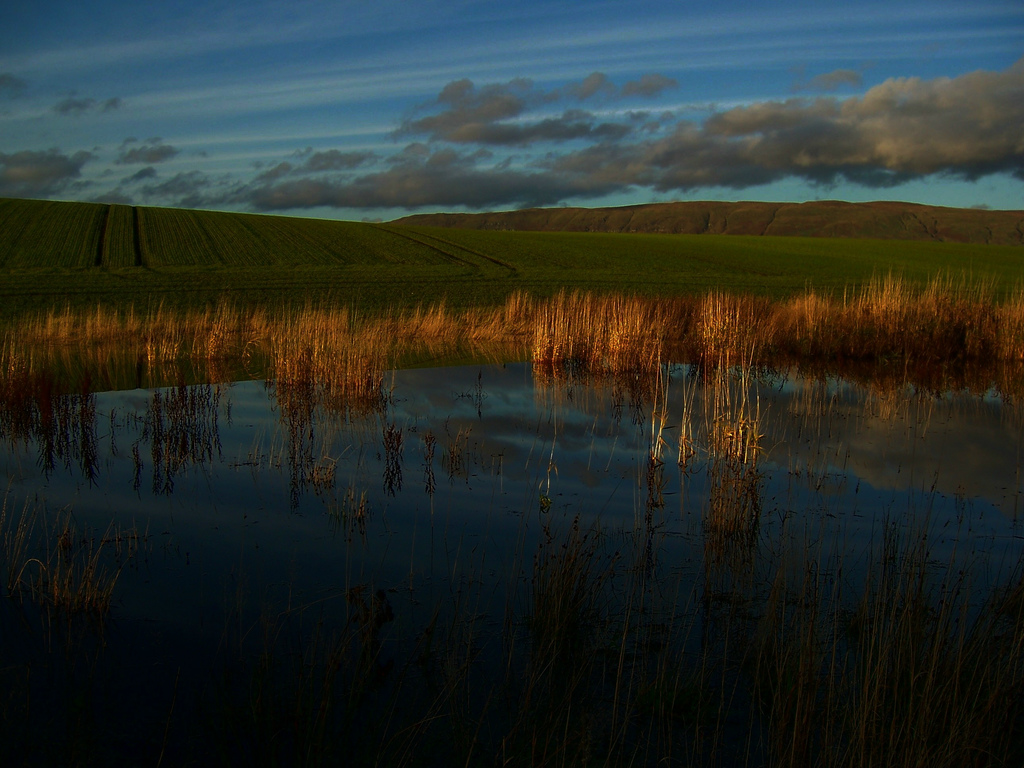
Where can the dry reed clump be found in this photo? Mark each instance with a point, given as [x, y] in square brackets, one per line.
[77, 577]
[575, 332]
[947, 320]
[601, 335]
[802, 324]
[157, 336]
[1009, 344]
[343, 357]
[305, 687]
[910, 672]
[61, 565]
[930, 684]
[16, 537]
[734, 446]
[568, 609]
[331, 358]
[789, 670]
[729, 327]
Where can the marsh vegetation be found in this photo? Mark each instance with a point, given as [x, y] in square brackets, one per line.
[716, 530]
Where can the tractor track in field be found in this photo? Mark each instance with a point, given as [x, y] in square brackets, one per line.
[101, 241]
[424, 239]
[137, 237]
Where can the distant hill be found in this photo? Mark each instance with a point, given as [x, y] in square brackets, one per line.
[882, 220]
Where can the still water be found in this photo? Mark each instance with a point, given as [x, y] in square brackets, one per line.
[261, 513]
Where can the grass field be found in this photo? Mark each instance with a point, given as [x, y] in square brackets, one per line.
[54, 254]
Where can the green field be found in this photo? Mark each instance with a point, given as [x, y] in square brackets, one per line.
[54, 254]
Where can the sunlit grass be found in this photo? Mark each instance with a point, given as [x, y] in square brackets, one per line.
[346, 351]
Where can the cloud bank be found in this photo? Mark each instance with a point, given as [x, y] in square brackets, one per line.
[497, 114]
[148, 152]
[514, 144]
[902, 129]
[39, 174]
[75, 106]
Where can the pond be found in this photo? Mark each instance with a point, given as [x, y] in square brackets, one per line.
[502, 562]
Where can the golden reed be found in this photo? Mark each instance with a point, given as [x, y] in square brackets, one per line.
[611, 334]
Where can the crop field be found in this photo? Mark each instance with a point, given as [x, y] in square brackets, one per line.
[55, 235]
[54, 254]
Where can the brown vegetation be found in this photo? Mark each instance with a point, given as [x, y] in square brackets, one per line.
[60, 565]
[344, 354]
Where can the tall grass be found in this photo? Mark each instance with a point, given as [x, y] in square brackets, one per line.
[59, 564]
[947, 321]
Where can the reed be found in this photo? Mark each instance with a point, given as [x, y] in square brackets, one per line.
[553, 718]
[611, 335]
[60, 565]
[946, 321]
[931, 683]
[16, 537]
[77, 577]
[780, 662]
[734, 432]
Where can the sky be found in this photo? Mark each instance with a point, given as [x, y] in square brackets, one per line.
[373, 110]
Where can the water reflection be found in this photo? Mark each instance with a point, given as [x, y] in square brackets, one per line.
[614, 522]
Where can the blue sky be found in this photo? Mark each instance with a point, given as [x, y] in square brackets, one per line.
[370, 110]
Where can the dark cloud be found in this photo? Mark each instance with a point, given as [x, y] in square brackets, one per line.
[466, 108]
[649, 85]
[831, 81]
[498, 114]
[39, 174]
[183, 190]
[149, 172]
[112, 197]
[11, 86]
[570, 125]
[596, 83]
[73, 105]
[333, 160]
[411, 154]
[901, 129]
[316, 162]
[150, 151]
[444, 178]
[488, 115]
[275, 173]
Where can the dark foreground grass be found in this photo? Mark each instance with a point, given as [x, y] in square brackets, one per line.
[82, 255]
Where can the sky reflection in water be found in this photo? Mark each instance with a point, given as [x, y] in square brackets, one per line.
[263, 510]
[307, 507]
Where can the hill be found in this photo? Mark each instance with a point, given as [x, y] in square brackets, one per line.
[55, 254]
[880, 220]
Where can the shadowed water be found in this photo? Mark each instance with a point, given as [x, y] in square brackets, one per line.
[266, 513]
